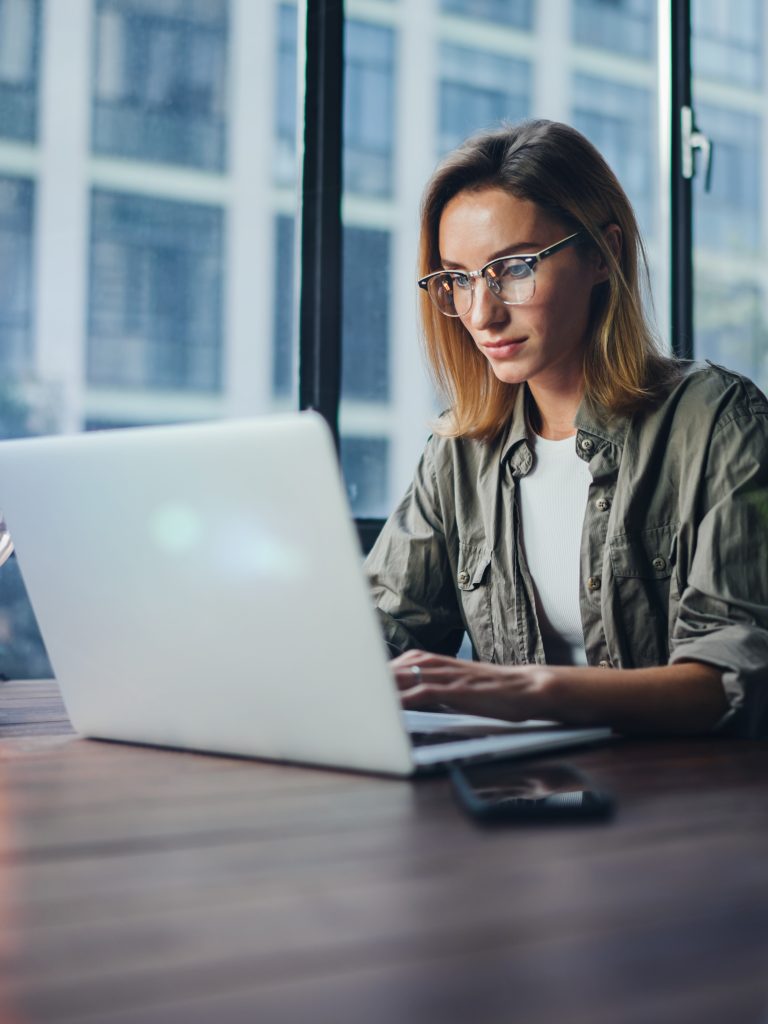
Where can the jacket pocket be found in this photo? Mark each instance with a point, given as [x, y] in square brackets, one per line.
[473, 580]
[642, 565]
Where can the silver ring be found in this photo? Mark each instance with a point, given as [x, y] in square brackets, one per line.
[416, 671]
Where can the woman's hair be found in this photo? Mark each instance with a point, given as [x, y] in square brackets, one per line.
[555, 167]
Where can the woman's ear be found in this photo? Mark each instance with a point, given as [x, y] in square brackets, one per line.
[613, 239]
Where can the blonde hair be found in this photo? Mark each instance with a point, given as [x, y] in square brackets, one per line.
[554, 166]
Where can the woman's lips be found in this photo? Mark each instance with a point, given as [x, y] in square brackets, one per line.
[502, 349]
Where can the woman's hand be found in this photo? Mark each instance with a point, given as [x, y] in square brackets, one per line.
[682, 699]
[512, 692]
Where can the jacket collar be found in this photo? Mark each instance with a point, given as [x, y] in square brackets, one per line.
[591, 421]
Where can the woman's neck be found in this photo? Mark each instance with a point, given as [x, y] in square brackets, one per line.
[553, 413]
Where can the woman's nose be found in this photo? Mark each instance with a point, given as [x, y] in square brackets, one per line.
[486, 308]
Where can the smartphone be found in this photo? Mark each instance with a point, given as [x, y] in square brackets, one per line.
[509, 791]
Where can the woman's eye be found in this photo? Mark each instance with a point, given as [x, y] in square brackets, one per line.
[514, 270]
[461, 281]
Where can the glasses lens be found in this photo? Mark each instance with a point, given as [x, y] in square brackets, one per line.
[451, 293]
[512, 280]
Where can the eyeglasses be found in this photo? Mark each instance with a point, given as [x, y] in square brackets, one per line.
[509, 278]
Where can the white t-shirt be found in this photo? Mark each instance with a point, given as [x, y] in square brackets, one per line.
[552, 502]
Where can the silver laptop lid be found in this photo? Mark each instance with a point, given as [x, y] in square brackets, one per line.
[200, 586]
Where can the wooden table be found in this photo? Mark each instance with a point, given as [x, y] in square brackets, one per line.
[141, 885]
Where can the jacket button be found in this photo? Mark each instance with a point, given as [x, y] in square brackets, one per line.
[463, 577]
[587, 444]
[602, 504]
[659, 563]
[594, 583]
[603, 664]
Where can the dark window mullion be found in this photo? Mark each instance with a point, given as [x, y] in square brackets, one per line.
[681, 234]
[320, 235]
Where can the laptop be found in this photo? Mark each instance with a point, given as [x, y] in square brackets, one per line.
[201, 587]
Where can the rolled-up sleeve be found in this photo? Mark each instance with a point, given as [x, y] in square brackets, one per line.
[723, 613]
[409, 572]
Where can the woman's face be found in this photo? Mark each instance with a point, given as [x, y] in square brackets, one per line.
[541, 340]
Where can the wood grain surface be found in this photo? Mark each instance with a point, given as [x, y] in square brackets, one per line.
[145, 885]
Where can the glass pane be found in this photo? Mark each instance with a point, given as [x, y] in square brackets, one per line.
[623, 26]
[502, 12]
[730, 262]
[478, 90]
[19, 54]
[449, 68]
[160, 81]
[146, 249]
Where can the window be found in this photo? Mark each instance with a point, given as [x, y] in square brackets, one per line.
[19, 53]
[282, 359]
[517, 13]
[368, 109]
[16, 195]
[285, 96]
[365, 323]
[618, 119]
[477, 90]
[731, 269]
[729, 215]
[160, 81]
[365, 331]
[730, 325]
[623, 26]
[155, 297]
[729, 41]
[365, 462]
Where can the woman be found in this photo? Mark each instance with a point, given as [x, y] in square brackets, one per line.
[591, 512]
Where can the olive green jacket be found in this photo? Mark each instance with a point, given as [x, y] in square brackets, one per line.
[674, 549]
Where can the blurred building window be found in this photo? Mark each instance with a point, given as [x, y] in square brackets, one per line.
[729, 216]
[729, 41]
[365, 463]
[369, 102]
[285, 95]
[160, 81]
[730, 326]
[369, 114]
[518, 13]
[283, 348]
[623, 26]
[155, 293]
[477, 90]
[619, 120]
[16, 214]
[19, 53]
[365, 314]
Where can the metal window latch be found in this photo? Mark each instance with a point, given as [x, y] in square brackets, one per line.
[690, 139]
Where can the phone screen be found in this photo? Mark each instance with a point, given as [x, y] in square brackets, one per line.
[511, 790]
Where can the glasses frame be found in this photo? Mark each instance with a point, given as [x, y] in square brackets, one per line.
[531, 260]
